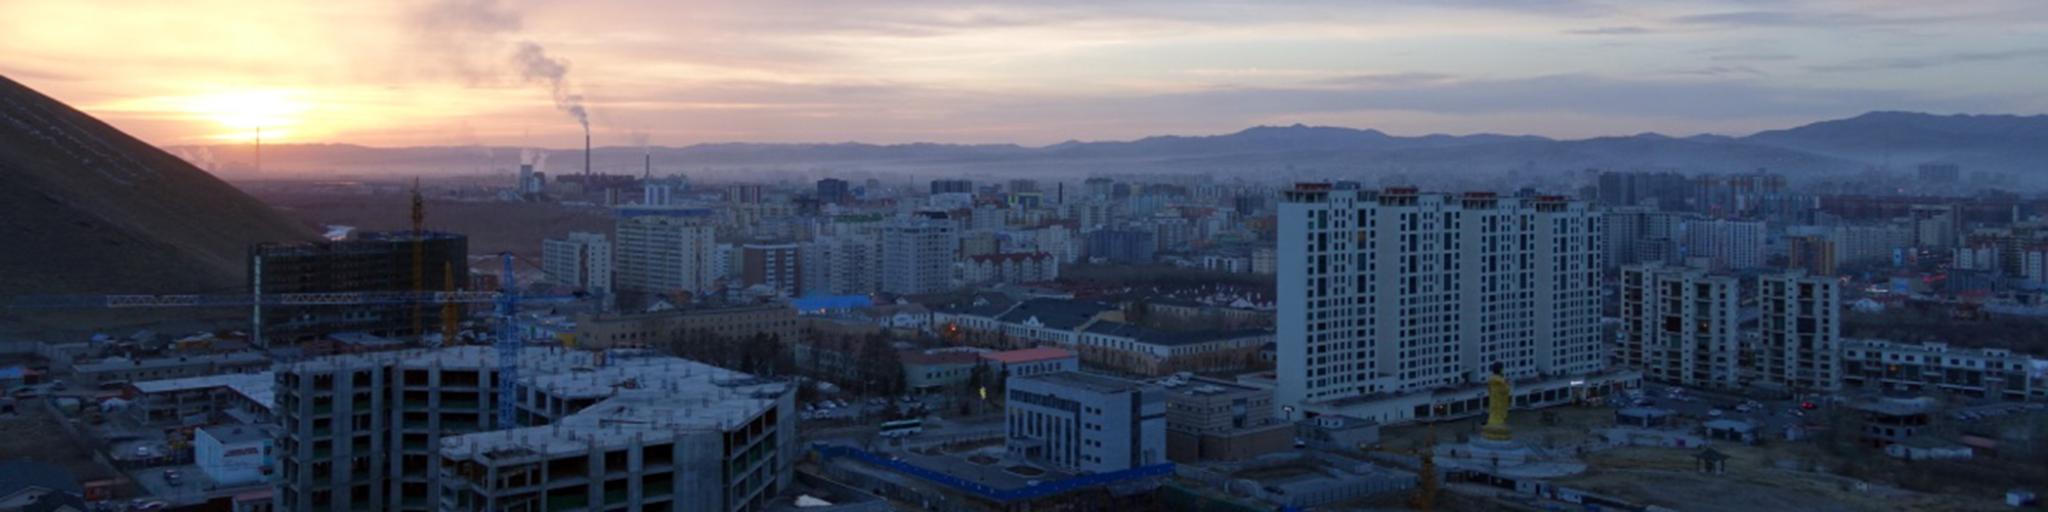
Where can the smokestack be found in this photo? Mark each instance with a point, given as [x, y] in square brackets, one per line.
[647, 172]
[586, 156]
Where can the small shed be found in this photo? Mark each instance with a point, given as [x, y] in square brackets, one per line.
[1645, 417]
[1711, 461]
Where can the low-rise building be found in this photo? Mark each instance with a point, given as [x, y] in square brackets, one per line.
[115, 371]
[233, 455]
[1085, 422]
[1031, 361]
[240, 397]
[1129, 348]
[1012, 267]
[926, 371]
[1210, 419]
[1913, 367]
[657, 329]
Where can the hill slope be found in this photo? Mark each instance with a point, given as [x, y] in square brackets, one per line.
[86, 208]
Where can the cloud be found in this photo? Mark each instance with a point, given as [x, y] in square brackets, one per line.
[1720, 71]
[1923, 62]
[1610, 31]
[1389, 79]
[1751, 57]
[1744, 19]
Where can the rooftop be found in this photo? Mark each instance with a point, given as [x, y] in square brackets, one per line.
[258, 387]
[1029, 355]
[1055, 313]
[1170, 338]
[122, 363]
[1087, 381]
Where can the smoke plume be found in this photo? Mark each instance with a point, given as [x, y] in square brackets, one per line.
[535, 65]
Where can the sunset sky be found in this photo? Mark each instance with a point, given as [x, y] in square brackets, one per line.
[460, 72]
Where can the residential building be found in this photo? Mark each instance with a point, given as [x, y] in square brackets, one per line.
[1921, 367]
[582, 261]
[849, 264]
[1218, 420]
[1813, 253]
[1636, 235]
[1679, 326]
[1726, 244]
[204, 399]
[368, 262]
[776, 266]
[932, 370]
[1799, 332]
[1264, 261]
[1077, 421]
[1014, 268]
[665, 250]
[1126, 246]
[1398, 292]
[1658, 190]
[918, 253]
[416, 430]
[834, 191]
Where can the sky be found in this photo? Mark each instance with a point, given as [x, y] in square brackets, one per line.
[680, 72]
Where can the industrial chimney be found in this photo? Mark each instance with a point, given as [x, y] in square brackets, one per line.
[586, 156]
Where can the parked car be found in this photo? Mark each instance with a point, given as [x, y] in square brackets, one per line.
[173, 478]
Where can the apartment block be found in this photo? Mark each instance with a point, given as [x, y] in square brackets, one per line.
[665, 250]
[1678, 325]
[583, 260]
[918, 252]
[1922, 367]
[1800, 331]
[775, 266]
[416, 430]
[1396, 291]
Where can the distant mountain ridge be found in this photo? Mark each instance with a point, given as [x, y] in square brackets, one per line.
[85, 208]
[1996, 143]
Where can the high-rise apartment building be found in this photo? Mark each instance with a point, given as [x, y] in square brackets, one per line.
[415, 431]
[918, 252]
[1657, 190]
[1395, 291]
[367, 262]
[848, 264]
[834, 191]
[1815, 254]
[1800, 332]
[1678, 325]
[664, 250]
[583, 260]
[1636, 235]
[776, 266]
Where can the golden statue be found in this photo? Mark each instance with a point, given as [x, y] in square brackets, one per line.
[1497, 400]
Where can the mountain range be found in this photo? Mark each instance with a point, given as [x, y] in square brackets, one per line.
[1897, 140]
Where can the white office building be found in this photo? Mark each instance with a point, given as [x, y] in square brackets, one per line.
[1398, 292]
[583, 261]
[1678, 325]
[1800, 332]
[1084, 422]
[918, 252]
[663, 250]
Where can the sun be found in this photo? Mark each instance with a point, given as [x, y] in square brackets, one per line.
[243, 112]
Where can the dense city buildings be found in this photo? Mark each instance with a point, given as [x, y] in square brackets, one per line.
[1122, 245]
[400, 261]
[1726, 244]
[1679, 325]
[834, 191]
[775, 266]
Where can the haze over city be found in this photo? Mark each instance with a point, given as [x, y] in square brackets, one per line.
[988, 256]
[467, 72]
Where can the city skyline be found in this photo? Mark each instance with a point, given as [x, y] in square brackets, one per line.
[464, 72]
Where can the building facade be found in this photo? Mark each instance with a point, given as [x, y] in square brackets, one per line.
[1920, 367]
[1013, 268]
[776, 266]
[1678, 325]
[918, 253]
[1394, 291]
[1800, 332]
[583, 261]
[368, 262]
[1085, 422]
[665, 250]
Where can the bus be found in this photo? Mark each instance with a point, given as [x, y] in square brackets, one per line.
[901, 428]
